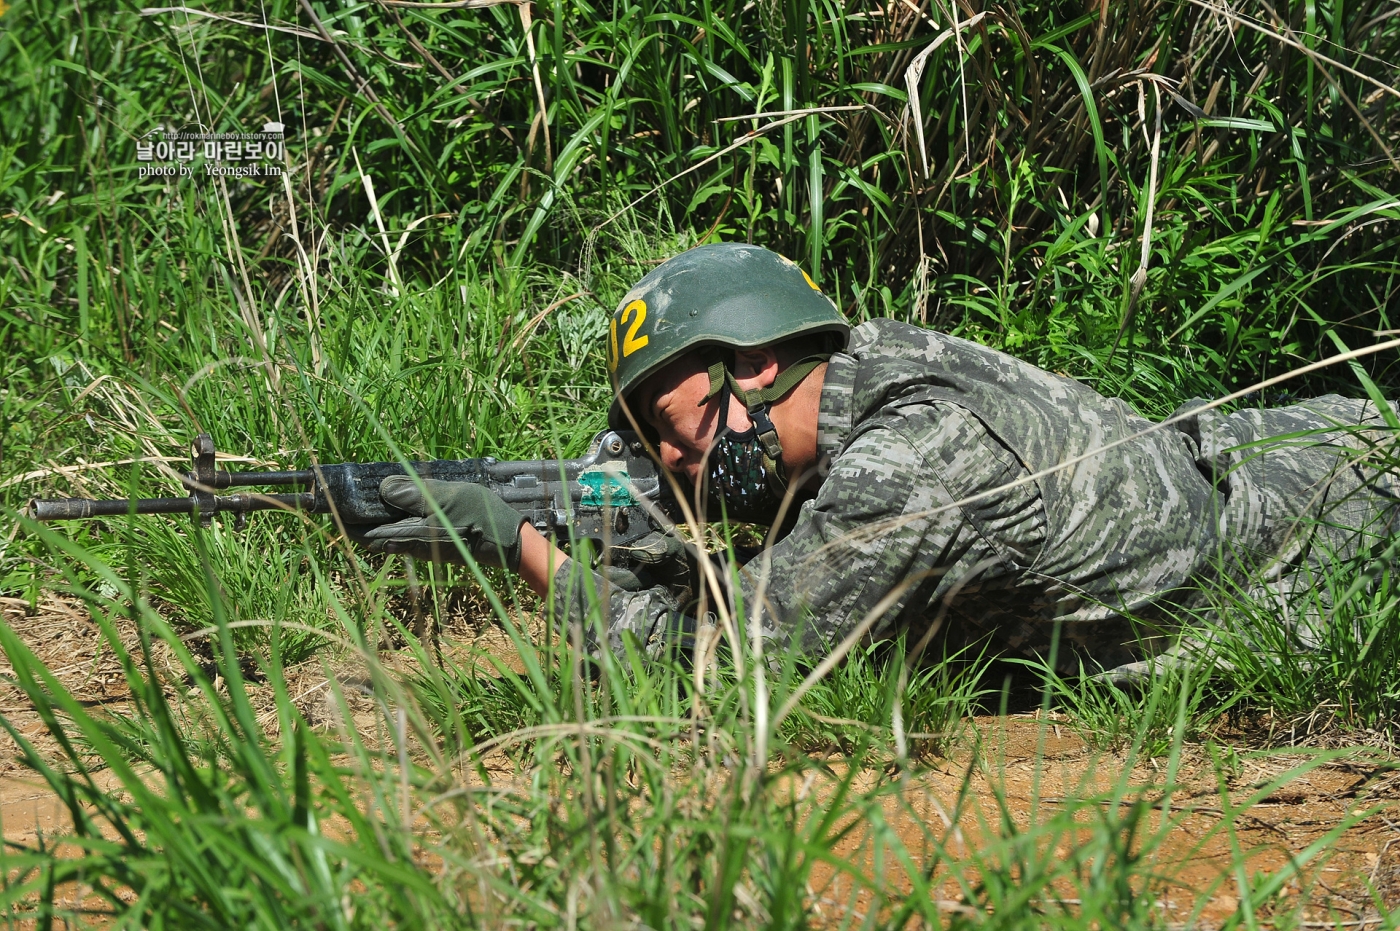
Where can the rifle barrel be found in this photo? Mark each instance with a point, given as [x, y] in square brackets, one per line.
[304, 477]
[222, 479]
[80, 508]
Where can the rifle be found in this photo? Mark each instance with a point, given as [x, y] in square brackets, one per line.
[612, 496]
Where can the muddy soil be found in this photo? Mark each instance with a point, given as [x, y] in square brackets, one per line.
[1030, 771]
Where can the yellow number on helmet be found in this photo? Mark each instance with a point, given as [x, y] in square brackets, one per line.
[631, 342]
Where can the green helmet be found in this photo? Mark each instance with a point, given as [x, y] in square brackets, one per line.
[724, 294]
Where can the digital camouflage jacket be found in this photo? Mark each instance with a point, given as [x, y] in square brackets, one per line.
[983, 494]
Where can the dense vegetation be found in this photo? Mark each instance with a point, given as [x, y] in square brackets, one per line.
[1165, 199]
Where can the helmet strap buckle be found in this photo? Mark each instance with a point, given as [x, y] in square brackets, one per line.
[765, 431]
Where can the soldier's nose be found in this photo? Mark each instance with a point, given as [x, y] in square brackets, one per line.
[672, 457]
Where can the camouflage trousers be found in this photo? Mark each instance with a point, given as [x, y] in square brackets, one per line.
[1307, 504]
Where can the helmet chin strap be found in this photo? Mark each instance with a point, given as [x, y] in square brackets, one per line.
[757, 401]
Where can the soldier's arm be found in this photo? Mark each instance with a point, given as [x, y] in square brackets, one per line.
[539, 560]
[880, 521]
[895, 513]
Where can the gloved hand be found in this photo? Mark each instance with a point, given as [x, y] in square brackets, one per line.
[660, 558]
[664, 554]
[488, 527]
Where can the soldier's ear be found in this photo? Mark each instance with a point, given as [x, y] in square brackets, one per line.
[755, 368]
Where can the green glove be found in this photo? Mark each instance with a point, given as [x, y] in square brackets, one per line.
[663, 555]
[488, 526]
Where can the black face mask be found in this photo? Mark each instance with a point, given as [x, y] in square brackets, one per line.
[743, 478]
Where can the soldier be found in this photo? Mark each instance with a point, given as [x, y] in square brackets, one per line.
[934, 475]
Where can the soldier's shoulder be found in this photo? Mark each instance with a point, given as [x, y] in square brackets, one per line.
[882, 336]
[884, 332]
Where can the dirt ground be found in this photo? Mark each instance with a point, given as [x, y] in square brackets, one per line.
[1033, 774]
[1036, 765]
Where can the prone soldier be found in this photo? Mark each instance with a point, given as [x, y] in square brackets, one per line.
[934, 478]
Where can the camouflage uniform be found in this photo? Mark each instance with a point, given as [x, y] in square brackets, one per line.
[914, 423]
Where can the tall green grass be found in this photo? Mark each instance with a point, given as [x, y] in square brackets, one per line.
[1271, 213]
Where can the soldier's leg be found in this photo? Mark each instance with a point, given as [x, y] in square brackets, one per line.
[1310, 491]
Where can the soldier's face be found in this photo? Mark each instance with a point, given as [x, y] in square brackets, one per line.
[673, 403]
